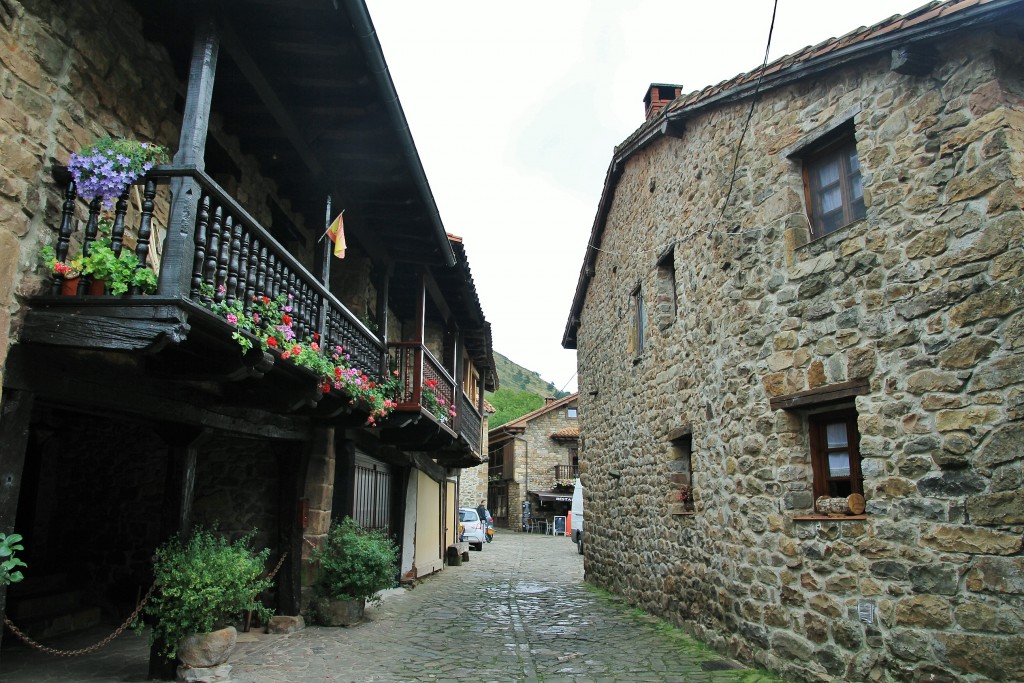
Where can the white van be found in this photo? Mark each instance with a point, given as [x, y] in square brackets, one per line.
[577, 516]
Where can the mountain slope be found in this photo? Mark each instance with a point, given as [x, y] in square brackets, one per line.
[514, 376]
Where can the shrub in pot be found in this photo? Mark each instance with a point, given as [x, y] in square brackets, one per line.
[204, 583]
[355, 565]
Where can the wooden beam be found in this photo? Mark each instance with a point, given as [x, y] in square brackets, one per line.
[832, 393]
[292, 129]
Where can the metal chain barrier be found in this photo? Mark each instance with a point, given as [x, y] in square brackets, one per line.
[106, 641]
[272, 574]
[86, 650]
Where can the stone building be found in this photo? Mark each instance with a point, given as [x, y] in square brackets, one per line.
[129, 418]
[473, 480]
[807, 282]
[534, 460]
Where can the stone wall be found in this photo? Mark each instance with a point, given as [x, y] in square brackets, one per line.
[923, 299]
[61, 87]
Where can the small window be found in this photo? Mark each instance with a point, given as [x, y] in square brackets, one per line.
[636, 341]
[835, 454]
[666, 305]
[834, 190]
[571, 412]
[681, 473]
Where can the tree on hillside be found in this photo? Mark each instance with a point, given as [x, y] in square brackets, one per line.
[511, 405]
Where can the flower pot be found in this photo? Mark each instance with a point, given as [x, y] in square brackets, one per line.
[340, 612]
[70, 287]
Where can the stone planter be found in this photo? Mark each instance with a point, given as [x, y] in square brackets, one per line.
[340, 612]
[204, 656]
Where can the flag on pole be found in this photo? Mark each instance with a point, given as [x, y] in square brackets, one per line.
[336, 232]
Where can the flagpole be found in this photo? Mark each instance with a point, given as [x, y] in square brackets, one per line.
[325, 253]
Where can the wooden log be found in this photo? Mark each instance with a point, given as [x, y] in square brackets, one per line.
[839, 507]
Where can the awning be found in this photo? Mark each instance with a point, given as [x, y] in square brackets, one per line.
[552, 496]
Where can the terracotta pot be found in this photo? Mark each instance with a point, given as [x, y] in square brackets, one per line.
[70, 287]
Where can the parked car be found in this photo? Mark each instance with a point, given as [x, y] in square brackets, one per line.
[475, 532]
[577, 516]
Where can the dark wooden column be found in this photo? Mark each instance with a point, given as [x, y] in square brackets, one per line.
[383, 295]
[344, 477]
[15, 413]
[292, 467]
[180, 483]
[179, 492]
[176, 270]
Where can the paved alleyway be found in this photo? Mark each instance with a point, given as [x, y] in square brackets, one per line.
[518, 611]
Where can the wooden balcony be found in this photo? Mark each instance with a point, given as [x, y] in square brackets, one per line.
[566, 472]
[213, 252]
[427, 397]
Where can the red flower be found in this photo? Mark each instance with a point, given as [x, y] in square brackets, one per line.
[371, 385]
[285, 355]
[364, 378]
[337, 372]
[326, 387]
[265, 300]
[316, 336]
[286, 319]
[271, 342]
[296, 350]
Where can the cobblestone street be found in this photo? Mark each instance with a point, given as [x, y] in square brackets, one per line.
[517, 611]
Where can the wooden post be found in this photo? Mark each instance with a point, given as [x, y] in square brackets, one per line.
[383, 294]
[176, 268]
[179, 492]
[292, 464]
[15, 413]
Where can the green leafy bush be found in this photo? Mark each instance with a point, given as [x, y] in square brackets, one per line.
[204, 584]
[9, 563]
[356, 563]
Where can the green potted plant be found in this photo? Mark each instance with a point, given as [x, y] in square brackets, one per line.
[118, 272]
[355, 565]
[9, 562]
[204, 584]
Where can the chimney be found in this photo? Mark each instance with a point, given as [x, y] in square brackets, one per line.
[658, 95]
[548, 400]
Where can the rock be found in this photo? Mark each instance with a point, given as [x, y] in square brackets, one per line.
[286, 624]
[213, 674]
[951, 483]
[340, 612]
[995, 656]
[997, 508]
[923, 611]
[203, 650]
[996, 575]
[976, 540]
[1005, 444]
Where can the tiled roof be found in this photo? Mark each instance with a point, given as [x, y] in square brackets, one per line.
[897, 22]
[927, 23]
[567, 433]
[521, 422]
[488, 408]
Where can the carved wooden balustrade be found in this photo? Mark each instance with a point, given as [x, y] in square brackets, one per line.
[566, 472]
[417, 369]
[469, 422]
[231, 257]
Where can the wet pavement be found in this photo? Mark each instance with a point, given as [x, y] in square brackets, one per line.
[517, 611]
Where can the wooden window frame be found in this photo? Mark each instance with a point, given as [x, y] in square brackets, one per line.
[835, 142]
[819, 451]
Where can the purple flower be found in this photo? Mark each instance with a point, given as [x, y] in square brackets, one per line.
[232, 318]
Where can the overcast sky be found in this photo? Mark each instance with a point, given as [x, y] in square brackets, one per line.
[516, 107]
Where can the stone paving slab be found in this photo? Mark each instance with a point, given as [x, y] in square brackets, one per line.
[517, 611]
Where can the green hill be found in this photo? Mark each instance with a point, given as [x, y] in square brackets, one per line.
[516, 377]
[522, 391]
